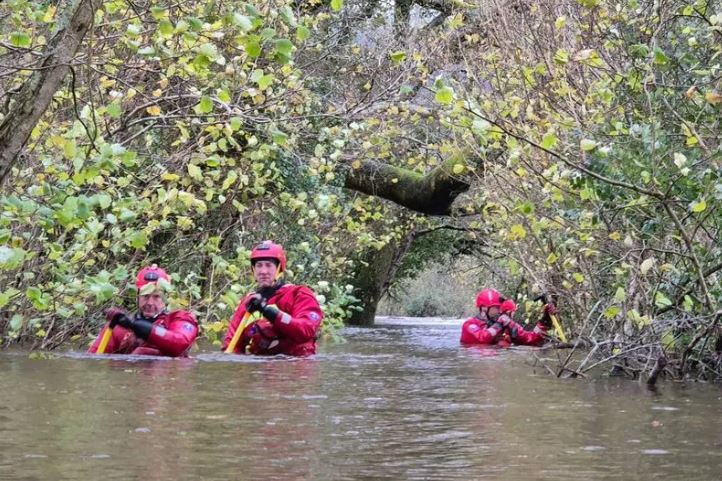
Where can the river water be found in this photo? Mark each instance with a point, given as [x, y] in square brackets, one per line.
[397, 402]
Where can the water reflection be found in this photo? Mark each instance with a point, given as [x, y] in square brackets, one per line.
[397, 402]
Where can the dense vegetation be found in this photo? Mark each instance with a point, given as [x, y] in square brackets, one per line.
[570, 147]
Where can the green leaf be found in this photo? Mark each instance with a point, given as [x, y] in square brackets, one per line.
[549, 140]
[611, 312]
[398, 56]
[11, 257]
[7, 295]
[224, 96]
[205, 106]
[698, 206]
[243, 22]
[16, 323]
[517, 232]
[279, 137]
[287, 16]
[195, 172]
[302, 33]
[336, 5]
[20, 39]
[444, 95]
[114, 110]
[165, 27]
[620, 295]
[253, 49]
[562, 56]
[660, 300]
[209, 50]
[587, 145]
[284, 46]
[230, 179]
[236, 124]
[660, 58]
[265, 81]
[139, 239]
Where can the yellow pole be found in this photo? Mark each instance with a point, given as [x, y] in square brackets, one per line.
[237, 335]
[107, 334]
[558, 328]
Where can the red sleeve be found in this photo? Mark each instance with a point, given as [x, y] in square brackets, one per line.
[235, 322]
[178, 337]
[527, 338]
[120, 341]
[472, 332]
[300, 318]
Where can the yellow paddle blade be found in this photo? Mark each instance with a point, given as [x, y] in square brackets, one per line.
[558, 328]
[107, 333]
[237, 335]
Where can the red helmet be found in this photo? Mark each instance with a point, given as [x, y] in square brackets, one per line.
[149, 275]
[269, 250]
[488, 298]
[508, 306]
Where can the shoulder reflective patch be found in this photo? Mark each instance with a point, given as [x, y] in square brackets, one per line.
[314, 316]
[187, 326]
[473, 327]
[160, 331]
[285, 318]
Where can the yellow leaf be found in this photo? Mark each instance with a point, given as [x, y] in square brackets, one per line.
[169, 177]
[615, 236]
[356, 164]
[49, 14]
[157, 93]
[713, 97]
[517, 231]
[458, 168]
[153, 110]
[646, 265]
[394, 180]
[105, 82]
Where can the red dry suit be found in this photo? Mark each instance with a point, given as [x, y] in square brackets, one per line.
[503, 332]
[293, 334]
[172, 335]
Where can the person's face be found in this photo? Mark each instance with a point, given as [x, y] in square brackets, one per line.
[150, 305]
[265, 273]
[493, 312]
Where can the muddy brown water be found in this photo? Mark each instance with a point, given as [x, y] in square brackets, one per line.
[401, 401]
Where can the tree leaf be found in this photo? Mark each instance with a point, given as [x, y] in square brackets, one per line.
[336, 5]
[20, 39]
[205, 106]
[195, 172]
[445, 95]
[660, 300]
[587, 145]
[646, 265]
[698, 206]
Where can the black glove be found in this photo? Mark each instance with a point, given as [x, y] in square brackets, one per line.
[259, 302]
[140, 327]
[256, 303]
[113, 316]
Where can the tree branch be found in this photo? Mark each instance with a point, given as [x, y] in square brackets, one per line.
[37, 92]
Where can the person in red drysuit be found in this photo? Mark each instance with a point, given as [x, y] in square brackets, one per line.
[494, 325]
[282, 318]
[153, 330]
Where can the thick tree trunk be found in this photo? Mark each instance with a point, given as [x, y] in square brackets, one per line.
[431, 194]
[370, 280]
[37, 92]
